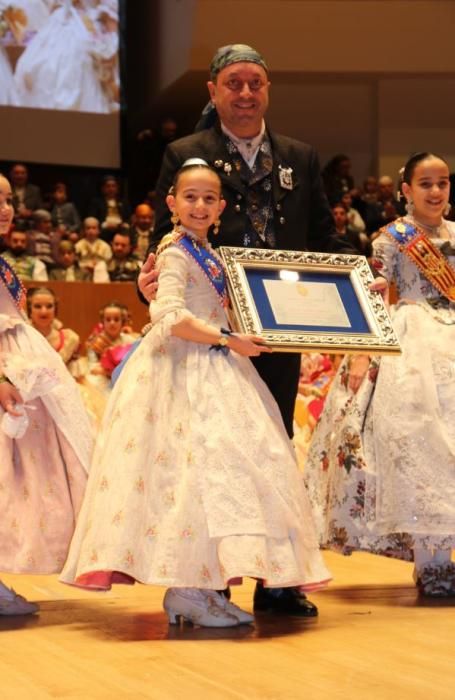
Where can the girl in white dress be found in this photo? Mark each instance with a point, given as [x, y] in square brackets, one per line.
[45, 447]
[381, 468]
[195, 483]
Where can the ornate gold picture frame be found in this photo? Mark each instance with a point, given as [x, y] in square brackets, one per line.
[305, 302]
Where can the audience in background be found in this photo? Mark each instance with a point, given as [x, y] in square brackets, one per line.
[67, 268]
[142, 229]
[65, 217]
[27, 267]
[26, 197]
[91, 250]
[337, 177]
[110, 209]
[343, 228]
[369, 193]
[43, 240]
[124, 265]
[355, 220]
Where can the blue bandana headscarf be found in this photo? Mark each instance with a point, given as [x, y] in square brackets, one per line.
[234, 53]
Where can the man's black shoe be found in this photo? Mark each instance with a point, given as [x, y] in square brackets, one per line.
[285, 601]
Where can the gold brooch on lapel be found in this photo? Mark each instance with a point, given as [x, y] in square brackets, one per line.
[227, 167]
[285, 177]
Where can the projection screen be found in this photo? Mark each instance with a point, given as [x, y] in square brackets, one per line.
[59, 81]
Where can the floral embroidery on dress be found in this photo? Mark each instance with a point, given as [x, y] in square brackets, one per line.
[187, 533]
[150, 416]
[205, 574]
[129, 558]
[338, 535]
[169, 498]
[130, 446]
[259, 562]
[118, 518]
[358, 508]
[348, 454]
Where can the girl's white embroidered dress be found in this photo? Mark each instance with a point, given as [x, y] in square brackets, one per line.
[42, 474]
[194, 481]
[381, 468]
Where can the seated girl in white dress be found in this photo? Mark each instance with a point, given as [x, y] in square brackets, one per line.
[194, 480]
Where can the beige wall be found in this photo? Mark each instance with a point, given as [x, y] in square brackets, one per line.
[372, 78]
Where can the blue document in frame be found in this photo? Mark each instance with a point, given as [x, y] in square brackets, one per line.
[261, 280]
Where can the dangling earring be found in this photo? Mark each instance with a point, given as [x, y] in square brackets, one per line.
[175, 219]
[448, 209]
[409, 206]
[216, 227]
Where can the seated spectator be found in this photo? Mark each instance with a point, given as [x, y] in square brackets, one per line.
[124, 266]
[26, 197]
[110, 209]
[370, 190]
[387, 207]
[91, 249]
[108, 344]
[354, 219]
[142, 229]
[42, 311]
[359, 241]
[65, 217]
[43, 240]
[337, 177]
[27, 267]
[67, 268]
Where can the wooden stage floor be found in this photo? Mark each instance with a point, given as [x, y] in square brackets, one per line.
[374, 639]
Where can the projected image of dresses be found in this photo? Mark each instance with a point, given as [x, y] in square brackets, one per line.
[60, 55]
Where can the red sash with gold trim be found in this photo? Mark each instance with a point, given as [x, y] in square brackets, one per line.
[433, 264]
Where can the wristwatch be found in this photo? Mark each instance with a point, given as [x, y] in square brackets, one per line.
[224, 337]
[222, 341]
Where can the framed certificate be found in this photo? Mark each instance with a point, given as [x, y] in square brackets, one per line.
[304, 302]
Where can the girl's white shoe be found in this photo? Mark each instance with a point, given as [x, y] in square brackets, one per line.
[197, 606]
[11, 603]
[244, 617]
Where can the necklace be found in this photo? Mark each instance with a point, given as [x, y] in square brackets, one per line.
[434, 231]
